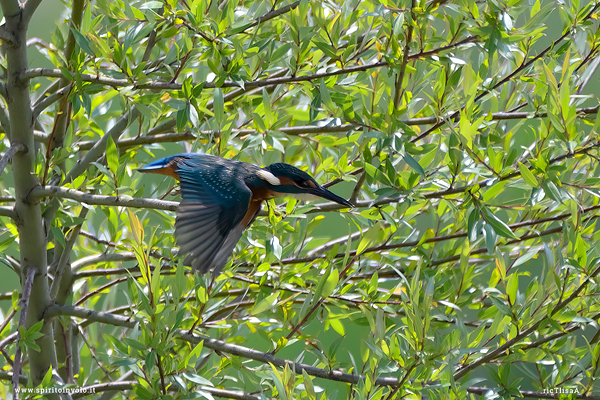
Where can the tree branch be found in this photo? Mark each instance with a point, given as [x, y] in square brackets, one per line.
[270, 15]
[172, 122]
[128, 256]
[117, 320]
[92, 155]
[400, 76]
[66, 255]
[116, 83]
[22, 318]
[84, 313]
[110, 394]
[189, 136]
[8, 212]
[8, 376]
[121, 386]
[29, 9]
[14, 149]
[98, 258]
[301, 130]
[100, 200]
[10, 8]
[32, 239]
[128, 201]
[4, 119]
[262, 357]
[522, 67]
[42, 104]
[509, 343]
[7, 37]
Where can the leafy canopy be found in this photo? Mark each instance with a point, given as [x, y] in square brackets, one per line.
[464, 131]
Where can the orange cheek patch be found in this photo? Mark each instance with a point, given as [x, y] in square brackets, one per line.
[285, 181]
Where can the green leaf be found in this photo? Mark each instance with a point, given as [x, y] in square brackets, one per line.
[511, 288]
[526, 257]
[331, 283]
[414, 164]
[182, 118]
[218, 106]
[308, 385]
[47, 378]
[83, 42]
[499, 226]
[197, 379]
[325, 97]
[264, 304]
[34, 330]
[112, 155]
[322, 281]
[368, 238]
[528, 176]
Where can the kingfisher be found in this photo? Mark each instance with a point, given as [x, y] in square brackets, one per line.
[221, 198]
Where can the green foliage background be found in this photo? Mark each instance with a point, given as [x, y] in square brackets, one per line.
[465, 132]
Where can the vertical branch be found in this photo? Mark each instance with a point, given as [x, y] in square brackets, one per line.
[32, 239]
[63, 116]
[61, 293]
[64, 259]
[400, 78]
[11, 8]
[22, 318]
[358, 187]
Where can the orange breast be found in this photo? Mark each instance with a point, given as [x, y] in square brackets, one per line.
[251, 213]
[263, 193]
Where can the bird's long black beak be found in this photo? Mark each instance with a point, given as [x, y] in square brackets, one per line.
[326, 194]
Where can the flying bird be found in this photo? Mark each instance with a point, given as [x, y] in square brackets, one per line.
[221, 198]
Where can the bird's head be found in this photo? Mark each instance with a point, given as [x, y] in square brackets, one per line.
[286, 179]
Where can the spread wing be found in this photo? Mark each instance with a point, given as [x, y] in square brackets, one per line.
[213, 213]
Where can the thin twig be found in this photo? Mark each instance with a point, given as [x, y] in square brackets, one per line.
[7, 319]
[92, 351]
[100, 290]
[270, 15]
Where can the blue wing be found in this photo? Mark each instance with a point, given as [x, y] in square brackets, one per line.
[213, 213]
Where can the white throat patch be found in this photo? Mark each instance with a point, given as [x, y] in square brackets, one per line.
[269, 177]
